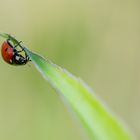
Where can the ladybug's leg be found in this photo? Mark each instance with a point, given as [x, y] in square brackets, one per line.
[20, 50]
[27, 57]
[18, 44]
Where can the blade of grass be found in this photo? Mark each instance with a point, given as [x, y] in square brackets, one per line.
[100, 123]
[8, 36]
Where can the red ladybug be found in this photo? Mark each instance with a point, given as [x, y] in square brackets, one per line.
[14, 55]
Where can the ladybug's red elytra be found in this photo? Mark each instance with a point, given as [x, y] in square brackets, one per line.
[14, 54]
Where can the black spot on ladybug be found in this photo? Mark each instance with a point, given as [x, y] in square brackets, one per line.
[6, 49]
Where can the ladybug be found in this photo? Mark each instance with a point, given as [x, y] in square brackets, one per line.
[14, 54]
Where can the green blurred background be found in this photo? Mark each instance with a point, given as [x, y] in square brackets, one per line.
[95, 40]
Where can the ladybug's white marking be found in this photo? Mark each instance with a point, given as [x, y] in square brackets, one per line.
[17, 58]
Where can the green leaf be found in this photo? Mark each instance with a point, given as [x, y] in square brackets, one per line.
[8, 36]
[95, 117]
